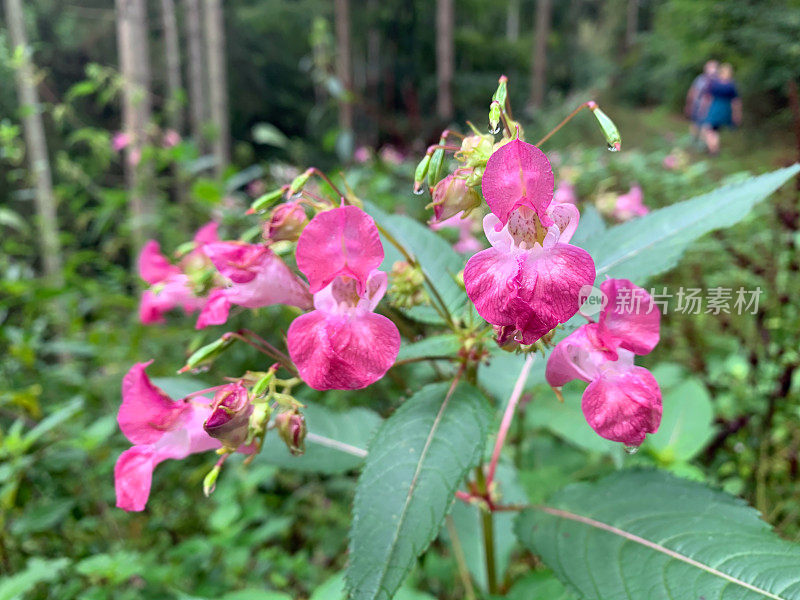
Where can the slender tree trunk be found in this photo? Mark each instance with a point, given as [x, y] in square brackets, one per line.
[173, 60]
[374, 68]
[444, 58]
[196, 77]
[343, 61]
[512, 20]
[218, 83]
[632, 23]
[539, 71]
[36, 148]
[134, 65]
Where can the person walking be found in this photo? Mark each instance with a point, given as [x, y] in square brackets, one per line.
[720, 106]
[694, 97]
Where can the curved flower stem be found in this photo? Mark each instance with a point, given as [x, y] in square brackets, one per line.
[487, 523]
[508, 416]
[564, 122]
[327, 180]
[264, 346]
[442, 308]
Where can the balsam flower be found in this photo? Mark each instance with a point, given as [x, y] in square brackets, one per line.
[160, 429]
[342, 344]
[258, 278]
[530, 279]
[622, 402]
[630, 205]
[171, 285]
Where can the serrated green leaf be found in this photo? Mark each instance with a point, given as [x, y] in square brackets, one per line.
[438, 345]
[416, 462]
[648, 534]
[653, 244]
[336, 441]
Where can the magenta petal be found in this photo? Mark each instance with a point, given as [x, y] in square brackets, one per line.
[623, 404]
[630, 320]
[215, 311]
[531, 291]
[237, 261]
[151, 310]
[154, 266]
[342, 352]
[133, 476]
[207, 234]
[574, 357]
[147, 412]
[342, 241]
[274, 283]
[518, 174]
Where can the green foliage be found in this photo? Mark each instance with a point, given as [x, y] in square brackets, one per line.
[416, 461]
[640, 534]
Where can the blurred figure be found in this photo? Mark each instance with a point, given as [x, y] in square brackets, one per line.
[694, 97]
[721, 107]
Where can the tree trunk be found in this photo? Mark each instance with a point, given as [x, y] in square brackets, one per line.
[539, 71]
[36, 148]
[512, 20]
[134, 65]
[444, 59]
[197, 97]
[632, 24]
[343, 67]
[374, 69]
[218, 83]
[173, 60]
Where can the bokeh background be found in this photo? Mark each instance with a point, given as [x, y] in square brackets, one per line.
[256, 91]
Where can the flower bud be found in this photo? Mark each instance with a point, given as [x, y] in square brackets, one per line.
[210, 480]
[610, 131]
[501, 93]
[230, 415]
[286, 222]
[408, 285]
[451, 196]
[266, 200]
[291, 427]
[300, 181]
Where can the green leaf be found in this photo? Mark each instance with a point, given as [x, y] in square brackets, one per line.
[438, 260]
[416, 462]
[648, 534]
[333, 589]
[686, 424]
[336, 441]
[268, 134]
[653, 244]
[36, 571]
[539, 585]
[438, 345]
[254, 594]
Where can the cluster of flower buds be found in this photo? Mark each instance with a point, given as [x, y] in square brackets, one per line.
[407, 285]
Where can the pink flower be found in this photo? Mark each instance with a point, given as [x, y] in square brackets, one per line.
[120, 141]
[171, 285]
[565, 193]
[529, 280]
[286, 222]
[670, 162]
[622, 402]
[342, 344]
[362, 154]
[390, 154]
[171, 138]
[160, 429]
[630, 205]
[258, 278]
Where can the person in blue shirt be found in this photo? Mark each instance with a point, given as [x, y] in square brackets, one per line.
[720, 107]
[695, 95]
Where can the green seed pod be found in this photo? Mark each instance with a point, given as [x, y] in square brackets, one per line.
[207, 354]
[501, 93]
[266, 200]
[300, 181]
[436, 170]
[421, 171]
[610, 131]
[494, 117]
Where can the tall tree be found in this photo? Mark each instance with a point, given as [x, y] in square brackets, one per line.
[197, 97]
[632, 23]
[36, 145]
[512, 20]
[135, 68]
[173, 61]
[539, 71]
[445, 59]
[218, 83]
[344, 69]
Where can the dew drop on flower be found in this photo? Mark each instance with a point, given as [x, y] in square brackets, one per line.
[495, 130]
[613, 148]
[200, 369]
[631, 449]
[419, 192]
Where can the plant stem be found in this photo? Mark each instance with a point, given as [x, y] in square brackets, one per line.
[564, 122]
[487, 523]
[461, 563]
[508, 416]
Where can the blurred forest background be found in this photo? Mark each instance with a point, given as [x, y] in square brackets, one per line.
[148, 117]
